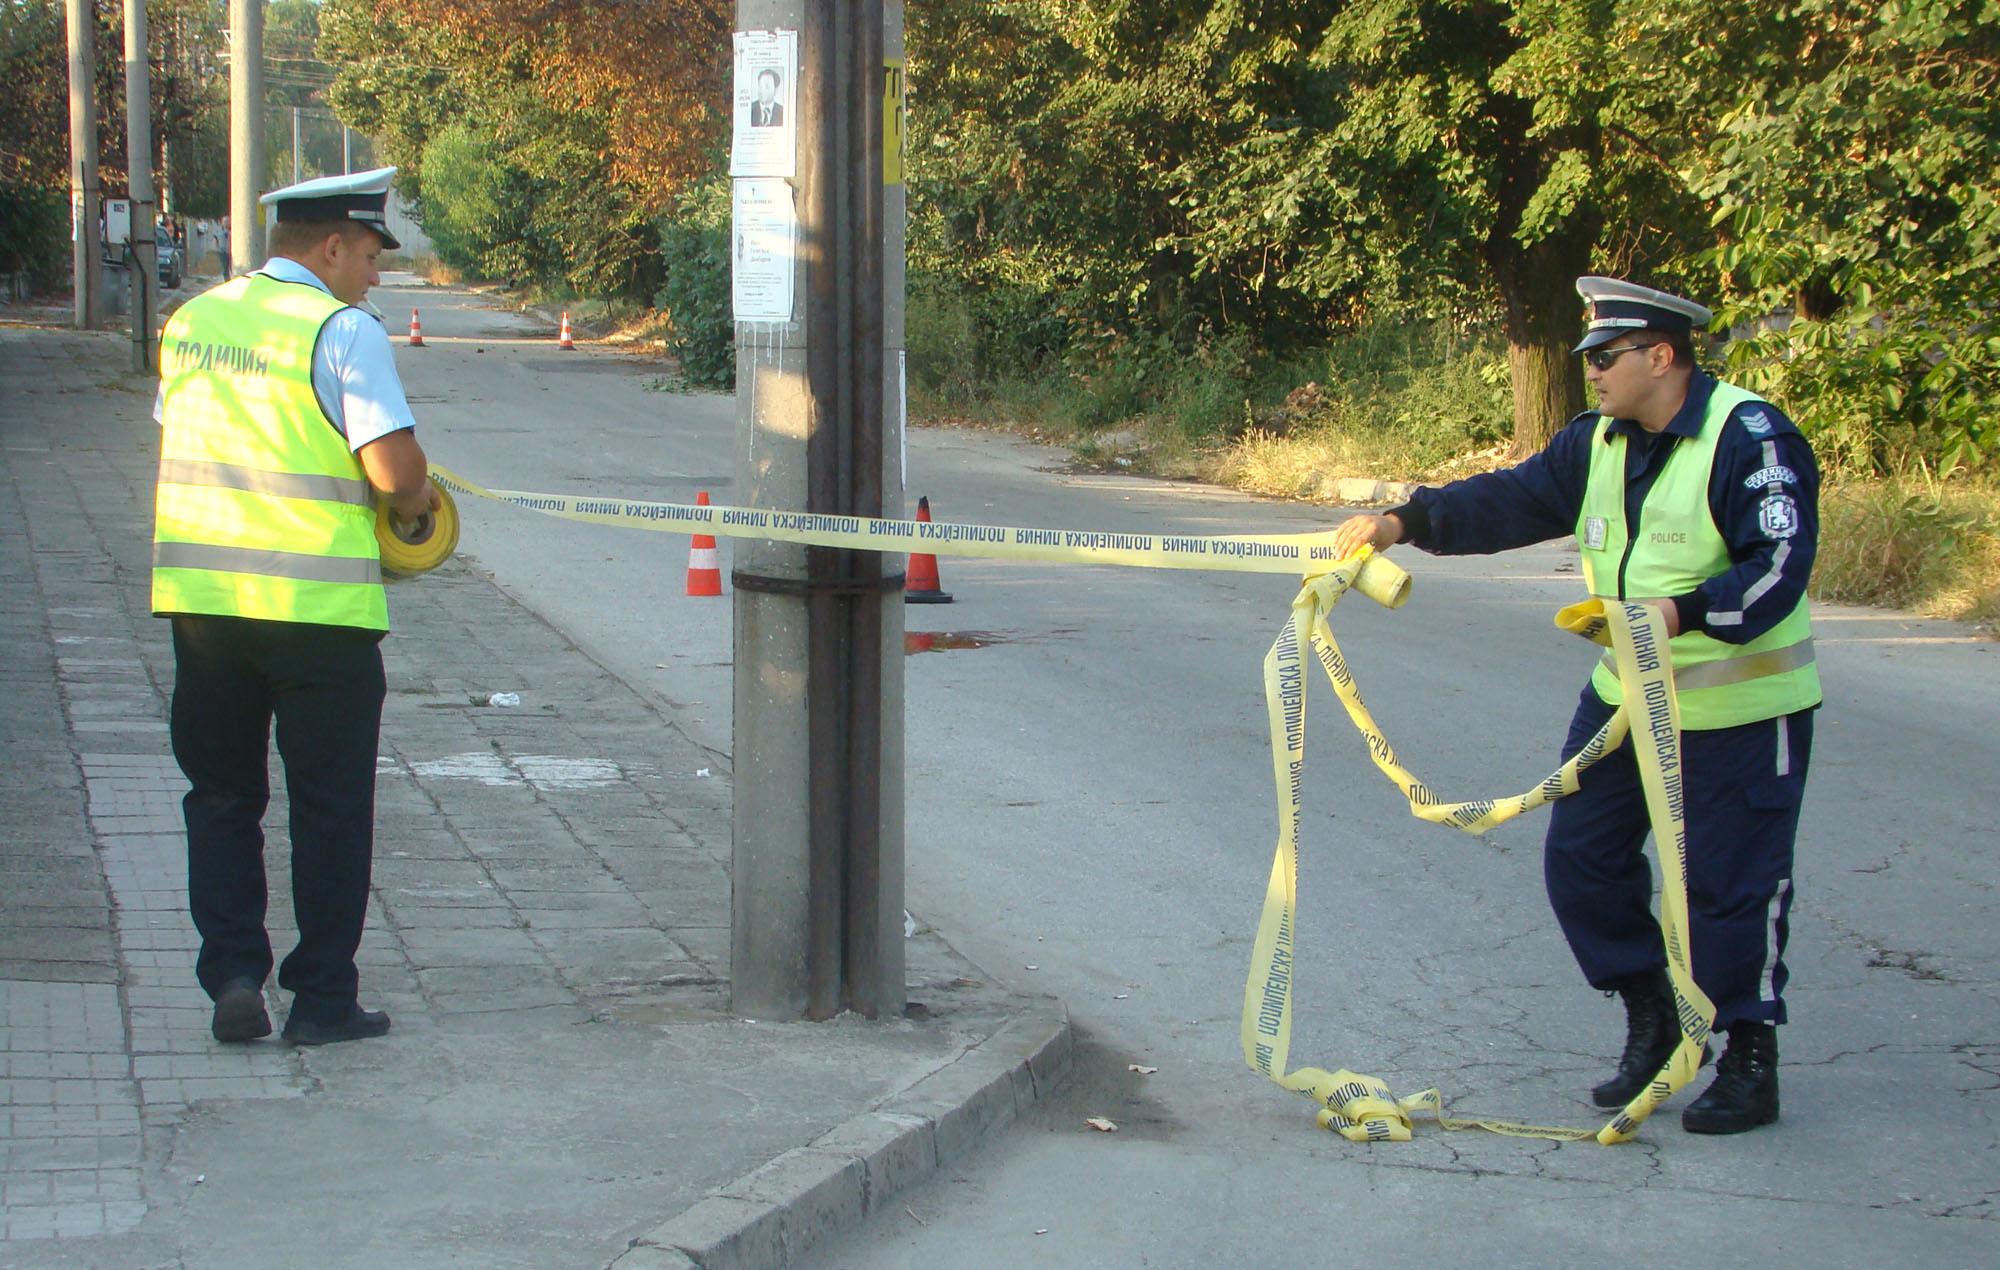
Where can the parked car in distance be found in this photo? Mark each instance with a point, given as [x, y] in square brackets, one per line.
[172, 265]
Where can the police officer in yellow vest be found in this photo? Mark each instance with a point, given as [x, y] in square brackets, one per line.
[283, 422]
[1698, 497]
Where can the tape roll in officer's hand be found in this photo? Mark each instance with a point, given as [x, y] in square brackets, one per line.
[413, 547]
[1382, 580]
[1586, 619]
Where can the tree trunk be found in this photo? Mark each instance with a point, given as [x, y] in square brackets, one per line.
[1817, 300]
[1544, 319]
[1544, 316]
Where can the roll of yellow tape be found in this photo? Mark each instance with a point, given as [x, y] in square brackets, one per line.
[1382, 581]
[413, 547]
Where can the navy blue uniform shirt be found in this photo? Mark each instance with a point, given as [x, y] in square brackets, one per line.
[1763, 493]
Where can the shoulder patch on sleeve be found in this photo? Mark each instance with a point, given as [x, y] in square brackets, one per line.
[1761, 419]
[1778, 516]
[1776, 474]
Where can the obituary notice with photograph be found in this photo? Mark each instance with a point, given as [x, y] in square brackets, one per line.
[764, 136]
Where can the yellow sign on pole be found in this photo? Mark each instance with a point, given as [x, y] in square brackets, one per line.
[892, 122]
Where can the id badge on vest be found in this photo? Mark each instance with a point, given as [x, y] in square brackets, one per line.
[1595, 529]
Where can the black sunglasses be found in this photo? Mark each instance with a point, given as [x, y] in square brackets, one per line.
[1601, 358]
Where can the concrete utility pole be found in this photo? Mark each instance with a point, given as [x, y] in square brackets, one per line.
[295, 146]
[246, 133]
[83, 192]
[816, 922]
[139, 148]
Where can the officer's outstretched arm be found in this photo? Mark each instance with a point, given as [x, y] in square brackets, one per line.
[395, 465]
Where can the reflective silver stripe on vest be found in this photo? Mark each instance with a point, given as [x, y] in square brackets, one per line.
[1736, 670]
[254, 480]
[274, 564]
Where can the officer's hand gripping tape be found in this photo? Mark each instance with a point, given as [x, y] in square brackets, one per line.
[413, 547]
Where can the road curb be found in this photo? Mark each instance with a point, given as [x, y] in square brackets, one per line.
[1355, 489]
[775, 1215]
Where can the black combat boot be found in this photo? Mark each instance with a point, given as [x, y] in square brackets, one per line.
[1744, 1093]
[1652, 1031]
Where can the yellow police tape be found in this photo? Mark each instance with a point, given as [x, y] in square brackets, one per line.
[1360, 1107]
[1276, 553]
[413, 547]
[1586, 619]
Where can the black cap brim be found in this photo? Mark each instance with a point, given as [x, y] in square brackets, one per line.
[1603, 335]
[389, 242]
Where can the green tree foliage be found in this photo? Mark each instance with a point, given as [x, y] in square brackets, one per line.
[189, 98]
[34, 94]
[475, 215]
[1855, 176]
[1153, 177]
[694, 249]
[1183, 168]
[1051, 143]
[588, 115]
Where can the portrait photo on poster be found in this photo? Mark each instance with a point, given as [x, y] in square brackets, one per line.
[763, 138]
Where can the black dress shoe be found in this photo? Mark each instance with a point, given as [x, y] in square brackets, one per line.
[239, 1012]
[356, 1025]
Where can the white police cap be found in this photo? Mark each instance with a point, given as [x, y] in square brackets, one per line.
[1618, 307]
[358, 196]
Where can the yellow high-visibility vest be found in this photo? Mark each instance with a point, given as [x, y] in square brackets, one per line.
[1673, 550]
[261, 510]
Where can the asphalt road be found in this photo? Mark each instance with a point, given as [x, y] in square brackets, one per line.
[1091, 814]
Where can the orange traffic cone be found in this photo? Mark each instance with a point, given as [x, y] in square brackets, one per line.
[921, 580]
[704, 571]
[564, 341]
[416, 331]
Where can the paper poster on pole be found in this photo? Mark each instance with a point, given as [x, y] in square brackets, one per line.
[764, 237]
[764, 138]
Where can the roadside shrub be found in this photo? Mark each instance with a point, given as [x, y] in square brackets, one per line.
[694, 248]
[471, 209]
[36, 242]
[1409, 398]
[975, 340]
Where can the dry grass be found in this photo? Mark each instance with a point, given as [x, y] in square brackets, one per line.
[1311, 465]
[645, 330]
[436, 272]
[1916, 543]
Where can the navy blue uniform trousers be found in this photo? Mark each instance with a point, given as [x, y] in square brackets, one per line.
[324, 686]
[1744, 785]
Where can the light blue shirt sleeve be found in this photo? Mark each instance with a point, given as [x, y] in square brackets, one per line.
[354, 375]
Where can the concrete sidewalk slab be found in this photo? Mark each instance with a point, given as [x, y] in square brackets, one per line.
[565, 1084]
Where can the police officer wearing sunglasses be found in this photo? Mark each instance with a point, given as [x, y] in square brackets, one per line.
[1701, 498]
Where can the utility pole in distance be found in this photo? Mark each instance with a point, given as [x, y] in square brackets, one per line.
[246, 133]
[817, 906]
[83, 191]
[139, 149]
